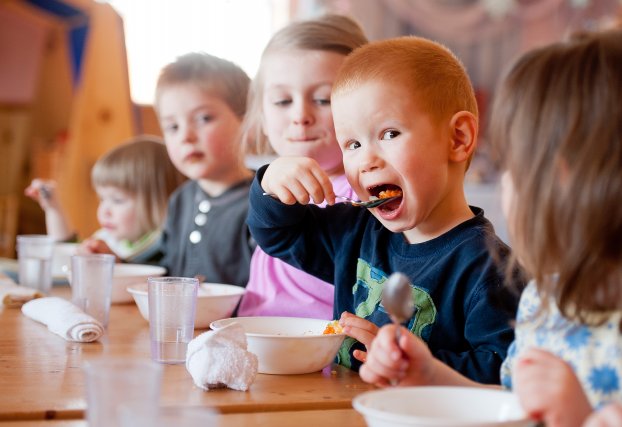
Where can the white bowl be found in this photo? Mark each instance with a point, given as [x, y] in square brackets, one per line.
[125, 275]
[214, 301]
[287, 345]
[61, 258]
[440, 407]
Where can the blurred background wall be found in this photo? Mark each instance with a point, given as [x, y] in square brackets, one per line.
[77, 76]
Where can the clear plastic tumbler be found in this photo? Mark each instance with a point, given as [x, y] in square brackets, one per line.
[172, 302]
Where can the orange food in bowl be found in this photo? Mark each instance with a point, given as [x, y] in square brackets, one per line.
[333, 328]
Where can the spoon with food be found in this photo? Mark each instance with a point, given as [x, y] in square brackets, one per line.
[373, 201]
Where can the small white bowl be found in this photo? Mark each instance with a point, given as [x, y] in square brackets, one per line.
[214, 301]
[287, 345]
[125, 275]
[440, 407]
[61, 259]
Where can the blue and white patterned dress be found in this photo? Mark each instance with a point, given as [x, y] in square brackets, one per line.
[595, 353]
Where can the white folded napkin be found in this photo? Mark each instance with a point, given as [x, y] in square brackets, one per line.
[13, 295]
[64, 318]
[219, 358]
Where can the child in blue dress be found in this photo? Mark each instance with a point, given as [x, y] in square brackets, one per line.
[557, 125]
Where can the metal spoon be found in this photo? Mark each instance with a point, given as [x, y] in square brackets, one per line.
[374, 203]
[397, 301]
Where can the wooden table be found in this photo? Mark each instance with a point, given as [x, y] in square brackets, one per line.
[311, 418]
[41, 378]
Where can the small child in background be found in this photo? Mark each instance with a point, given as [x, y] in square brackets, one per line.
[133, 182]
[200, 102]
[557, 126]
[405, 117]
[289, 109]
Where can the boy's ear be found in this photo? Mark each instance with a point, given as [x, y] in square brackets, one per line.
[464, 128]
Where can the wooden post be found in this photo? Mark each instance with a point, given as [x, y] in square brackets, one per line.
[102, 115]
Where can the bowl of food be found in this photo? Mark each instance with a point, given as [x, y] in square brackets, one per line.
[125, 275]
[289, 345]
[214, 301]
[440, 407]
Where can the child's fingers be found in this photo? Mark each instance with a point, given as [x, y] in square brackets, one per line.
[368, 375]
[360, 355]
[609, 416]
[382, 365]
[32, 192]
[85, 248]
[385, 348]
[358, 328]
[363, 336]
[316, 184]
[288, 195]
[297, 179]
[326, 187]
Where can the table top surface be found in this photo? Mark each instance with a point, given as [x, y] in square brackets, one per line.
[310, 418]
[42, 376]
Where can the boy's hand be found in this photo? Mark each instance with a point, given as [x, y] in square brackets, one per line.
[548, 389]
[409, 364]
[298, 179]
[43, 192]
[360, 329]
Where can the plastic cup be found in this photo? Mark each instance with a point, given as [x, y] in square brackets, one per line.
[34, 254]
[91, 284]
[172, 303]
[114, 385]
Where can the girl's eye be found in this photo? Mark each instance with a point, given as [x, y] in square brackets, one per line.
[322, 101]
[283, 102]
[353, 145]
[204, 118]
[390, 134]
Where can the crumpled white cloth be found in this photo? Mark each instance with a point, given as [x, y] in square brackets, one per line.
[64, 319]
[219, 358]
[13, 295]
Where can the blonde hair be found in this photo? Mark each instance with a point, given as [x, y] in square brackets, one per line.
[209, 73]
[330, 33]
[141, 167]
[557, 129]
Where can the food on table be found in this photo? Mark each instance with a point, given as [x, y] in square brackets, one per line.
[333, 327]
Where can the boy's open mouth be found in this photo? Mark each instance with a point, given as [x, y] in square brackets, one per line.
[383, 191]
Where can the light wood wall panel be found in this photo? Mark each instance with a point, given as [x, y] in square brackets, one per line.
[101, 118]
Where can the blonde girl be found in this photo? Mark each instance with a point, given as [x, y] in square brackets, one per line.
[290, 115]
[133, 182]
